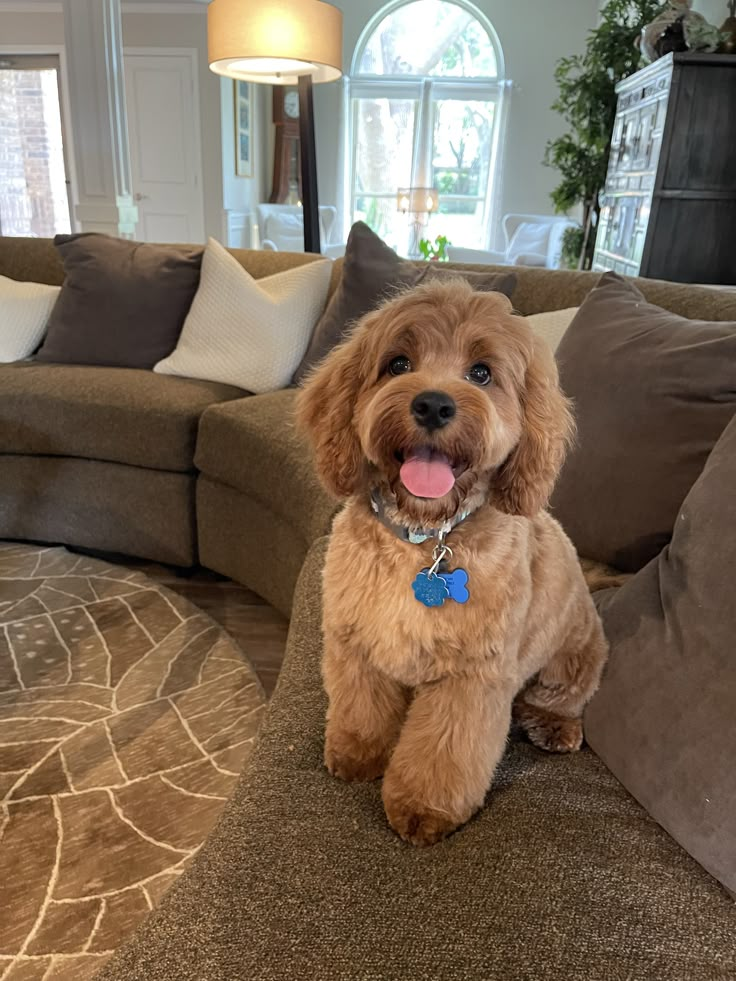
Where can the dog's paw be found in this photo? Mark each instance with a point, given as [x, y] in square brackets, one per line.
[347, 758]
[415, 820]
[548, 731]
[417, 824]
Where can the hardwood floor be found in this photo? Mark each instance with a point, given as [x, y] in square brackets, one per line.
[256, 627]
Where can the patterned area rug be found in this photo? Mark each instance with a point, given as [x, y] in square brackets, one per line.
[126, 715]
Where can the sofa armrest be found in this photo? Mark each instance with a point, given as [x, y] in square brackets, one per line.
[530, 259]
[478, 257]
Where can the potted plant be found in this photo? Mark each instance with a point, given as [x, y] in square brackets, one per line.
[434, 251]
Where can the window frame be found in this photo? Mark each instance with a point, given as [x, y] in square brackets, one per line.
[428, 90]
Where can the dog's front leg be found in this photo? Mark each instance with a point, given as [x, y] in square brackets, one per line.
[365, 714]
[443, 764]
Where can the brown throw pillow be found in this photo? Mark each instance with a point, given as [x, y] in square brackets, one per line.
[664, 718]
[371, 272]
[653, 392]
[122, 304]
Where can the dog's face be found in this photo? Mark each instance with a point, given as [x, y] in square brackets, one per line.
[444, 400]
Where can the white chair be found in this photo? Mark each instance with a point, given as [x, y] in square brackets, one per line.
[281, 228]
[531, 240]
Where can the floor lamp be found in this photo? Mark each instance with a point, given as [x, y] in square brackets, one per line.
[281, 42]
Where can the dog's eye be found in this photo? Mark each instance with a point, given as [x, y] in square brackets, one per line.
[399, 366]
[479, 374]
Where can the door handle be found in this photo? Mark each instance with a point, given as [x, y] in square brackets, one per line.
[141, 197]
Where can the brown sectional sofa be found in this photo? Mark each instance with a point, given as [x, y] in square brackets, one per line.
[104, 458]
[564, 875]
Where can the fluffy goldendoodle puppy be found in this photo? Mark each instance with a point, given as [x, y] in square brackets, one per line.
[451, 596]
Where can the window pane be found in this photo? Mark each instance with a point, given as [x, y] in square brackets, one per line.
[33, 196]
[463, 139]
[384, 143]
[429, 37]
[380, 214]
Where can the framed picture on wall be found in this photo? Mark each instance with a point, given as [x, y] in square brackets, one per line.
[243, 129]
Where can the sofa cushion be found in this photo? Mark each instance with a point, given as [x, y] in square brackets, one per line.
[116, 414]
[371, 272]
[561, 876]
[247, 332]
[252, 445]
[122, 303]
[653, 392]
[664, 719]
[98, 504]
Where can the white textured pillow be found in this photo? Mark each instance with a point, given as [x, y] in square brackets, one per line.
[24, 313]
[244, 331]
[552, 325]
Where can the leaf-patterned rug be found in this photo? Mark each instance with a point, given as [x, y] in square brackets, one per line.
[126, 715]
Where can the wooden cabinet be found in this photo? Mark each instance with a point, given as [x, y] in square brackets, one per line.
[668, 209]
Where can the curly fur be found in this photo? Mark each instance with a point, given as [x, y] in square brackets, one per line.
[424, 696]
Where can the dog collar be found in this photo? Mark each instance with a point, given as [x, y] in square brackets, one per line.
[419, 535]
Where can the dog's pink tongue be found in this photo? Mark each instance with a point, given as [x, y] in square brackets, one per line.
[425, 473]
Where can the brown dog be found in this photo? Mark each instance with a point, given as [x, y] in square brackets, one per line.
[442, 415]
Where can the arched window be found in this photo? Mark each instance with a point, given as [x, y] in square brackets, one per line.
[425, 96]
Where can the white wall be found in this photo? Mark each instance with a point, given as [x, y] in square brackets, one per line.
[534, 34]
[31, 28]
[713, 10]
[242, 194]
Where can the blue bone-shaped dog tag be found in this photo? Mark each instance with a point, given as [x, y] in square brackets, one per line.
[435, 590]
[457, 583]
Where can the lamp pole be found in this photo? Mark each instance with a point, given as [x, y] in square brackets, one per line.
[308, 153]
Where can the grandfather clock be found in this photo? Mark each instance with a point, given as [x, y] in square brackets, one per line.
[287, 176]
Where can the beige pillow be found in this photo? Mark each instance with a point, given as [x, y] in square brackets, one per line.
[551, 325]
[24, 312]
[248, 332]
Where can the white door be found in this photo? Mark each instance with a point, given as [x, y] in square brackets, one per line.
[165, 154]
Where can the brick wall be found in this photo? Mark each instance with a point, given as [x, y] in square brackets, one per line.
[32, 189]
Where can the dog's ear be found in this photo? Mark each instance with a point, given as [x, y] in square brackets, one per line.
[524, 483]
[325, 408]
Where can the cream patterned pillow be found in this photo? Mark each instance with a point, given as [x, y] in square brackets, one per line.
[24, 313]
[552, 325]
[248, 332]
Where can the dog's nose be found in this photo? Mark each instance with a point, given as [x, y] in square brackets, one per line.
[433, 410]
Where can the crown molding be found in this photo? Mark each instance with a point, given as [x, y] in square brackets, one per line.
[183, 7]
[128, 7]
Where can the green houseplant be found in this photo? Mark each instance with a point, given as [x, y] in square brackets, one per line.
[587, 101]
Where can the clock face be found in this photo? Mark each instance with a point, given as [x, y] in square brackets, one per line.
[291, 104]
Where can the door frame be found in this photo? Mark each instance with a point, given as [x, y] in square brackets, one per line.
[58, 50]
[193, 55]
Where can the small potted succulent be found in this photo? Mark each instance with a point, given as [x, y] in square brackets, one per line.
[434, 251]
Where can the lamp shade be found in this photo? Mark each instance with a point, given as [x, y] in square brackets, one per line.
[417, 200]
[275, 41]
